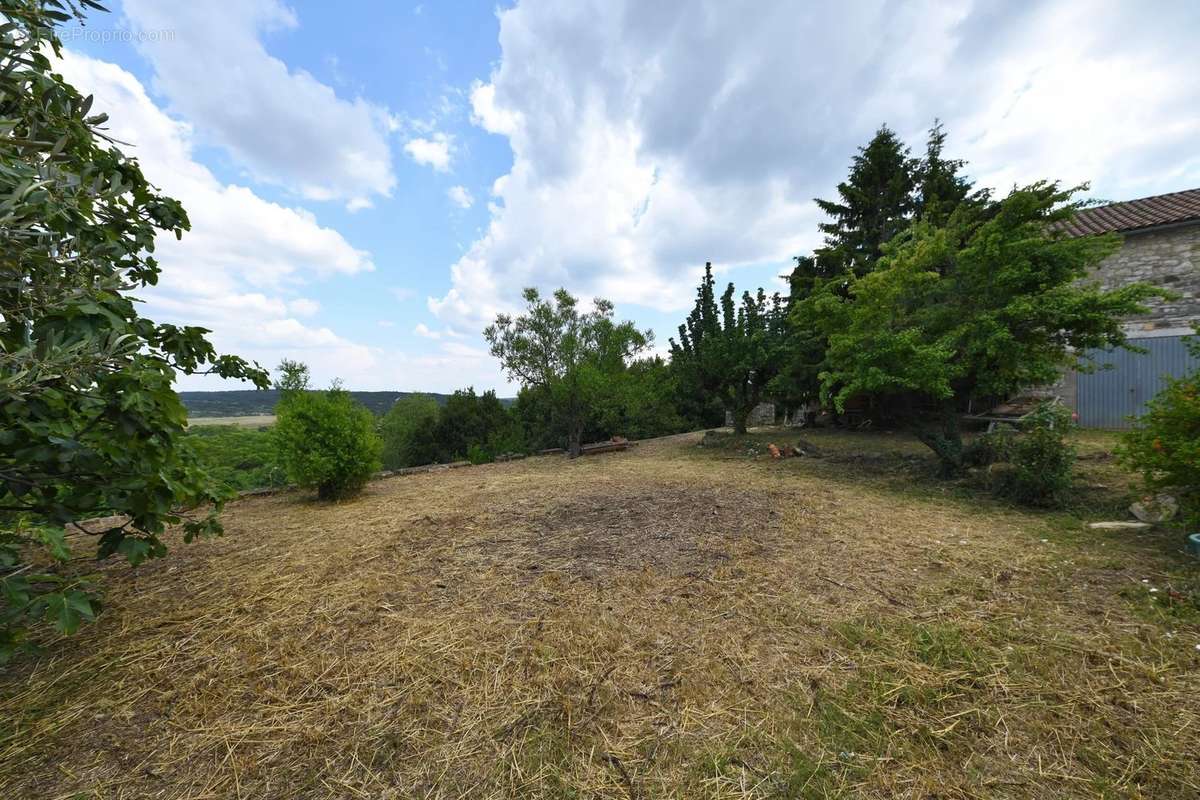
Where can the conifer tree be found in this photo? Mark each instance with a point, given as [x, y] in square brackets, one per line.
[874, 204]
[940, 186]
[731, 351]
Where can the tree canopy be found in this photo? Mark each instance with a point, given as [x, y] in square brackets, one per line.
[874, 203]
[568, 356]
[292, 376]
[89, 423]
[327, 442]
[407, 430]
[990, 303]
[732, 352]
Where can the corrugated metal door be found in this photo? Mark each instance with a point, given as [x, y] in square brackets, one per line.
[1108, 397]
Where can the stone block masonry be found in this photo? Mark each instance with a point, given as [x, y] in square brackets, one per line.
[1169, 258]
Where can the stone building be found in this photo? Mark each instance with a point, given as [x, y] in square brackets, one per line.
[1162, 247]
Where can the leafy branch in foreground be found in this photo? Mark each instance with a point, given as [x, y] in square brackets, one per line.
[89, 422]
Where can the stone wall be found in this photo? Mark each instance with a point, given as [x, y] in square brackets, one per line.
[1169, 258]
[763, 414]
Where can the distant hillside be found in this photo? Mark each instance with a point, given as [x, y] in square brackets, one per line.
[244, 403]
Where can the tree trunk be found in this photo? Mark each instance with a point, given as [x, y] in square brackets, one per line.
[945, 440]
[740, 416]
[574, 443]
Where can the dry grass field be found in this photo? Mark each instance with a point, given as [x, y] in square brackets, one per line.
[252, 421]
[668, 622]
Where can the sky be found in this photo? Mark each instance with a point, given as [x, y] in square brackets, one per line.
[369, 183]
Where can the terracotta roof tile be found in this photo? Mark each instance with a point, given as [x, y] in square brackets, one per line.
[1133, 215]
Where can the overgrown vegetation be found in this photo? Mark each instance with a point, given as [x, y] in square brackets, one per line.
[91, 425]
[1164, 444]
[238, 458]
[1040, 458]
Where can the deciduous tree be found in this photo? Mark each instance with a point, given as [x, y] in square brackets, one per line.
[292, 376]
[992, 302]
[566, 356]
[89, 422]
[407, 430]
[327, 442]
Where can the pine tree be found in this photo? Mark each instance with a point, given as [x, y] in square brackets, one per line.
[940, 187]
[875, 203]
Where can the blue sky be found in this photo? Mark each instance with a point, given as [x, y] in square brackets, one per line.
[370, 183]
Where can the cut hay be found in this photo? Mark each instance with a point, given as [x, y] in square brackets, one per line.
[664, 622]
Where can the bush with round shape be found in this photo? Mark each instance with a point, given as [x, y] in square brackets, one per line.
[327, 442]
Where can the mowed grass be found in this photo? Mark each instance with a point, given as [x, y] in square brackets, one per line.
[668, 622]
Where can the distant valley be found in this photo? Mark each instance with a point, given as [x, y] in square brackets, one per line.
[249, 403]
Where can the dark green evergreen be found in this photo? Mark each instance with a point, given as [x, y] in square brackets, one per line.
[939, 183]
[874, 203]
[734, 352]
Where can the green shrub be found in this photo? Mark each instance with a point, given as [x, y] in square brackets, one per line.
[408, 432]
[992, 447]
[238, 458]
[327, 442]
[1041, 459]
[477, 454]
[1164, 444]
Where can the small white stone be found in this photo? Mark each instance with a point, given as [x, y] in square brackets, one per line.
[1153, 590]
[1119, 526]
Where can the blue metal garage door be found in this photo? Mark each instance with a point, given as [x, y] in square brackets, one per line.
[1108, 397]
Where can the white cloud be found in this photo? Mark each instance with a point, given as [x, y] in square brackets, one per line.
[460, 196]
[402, 293]
[436, 151]
[648, 138]
[423, 330]
[238, 270]
[303, 307]
[487, 115]
[285, 126]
